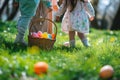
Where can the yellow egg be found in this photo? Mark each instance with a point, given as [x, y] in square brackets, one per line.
[45, 35]
[106, 72]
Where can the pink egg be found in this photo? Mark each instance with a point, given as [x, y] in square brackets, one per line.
[35, 35]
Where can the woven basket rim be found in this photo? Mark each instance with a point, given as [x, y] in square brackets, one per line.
[39, 20]
[29, 36]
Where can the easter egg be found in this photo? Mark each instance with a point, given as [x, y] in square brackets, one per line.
[45, 35]
[40, 67]
[53, 36]
[35, 35]
[49, 36]
[106, 72]
[39, 34]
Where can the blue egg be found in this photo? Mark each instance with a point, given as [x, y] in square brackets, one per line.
[49, 36]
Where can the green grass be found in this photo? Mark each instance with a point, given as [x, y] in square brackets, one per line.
[65, 63]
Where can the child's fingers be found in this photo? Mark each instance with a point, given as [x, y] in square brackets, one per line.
[85, 0]
[49, 10]
[57, 18]
[91, 18]
[15, 4]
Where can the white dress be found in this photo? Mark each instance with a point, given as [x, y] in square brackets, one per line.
[77, 20]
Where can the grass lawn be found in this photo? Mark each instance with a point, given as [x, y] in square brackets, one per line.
[79, 63]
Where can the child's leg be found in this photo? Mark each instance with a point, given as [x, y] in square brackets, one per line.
[21, 28]
[27, 9]
[72, 38]
[83, 39]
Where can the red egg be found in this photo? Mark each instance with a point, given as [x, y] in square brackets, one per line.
[106, 72]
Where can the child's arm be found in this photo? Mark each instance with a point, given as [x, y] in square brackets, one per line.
[90, 10]
[47, 3]
[61, 9]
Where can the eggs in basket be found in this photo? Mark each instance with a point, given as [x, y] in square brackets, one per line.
[45, 35]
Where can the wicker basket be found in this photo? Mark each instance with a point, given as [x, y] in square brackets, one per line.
[43, 43]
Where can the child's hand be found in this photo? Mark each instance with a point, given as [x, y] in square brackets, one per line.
[49, 10]
[85, 0]
[57, 18]
[91, 18]
[15, 4]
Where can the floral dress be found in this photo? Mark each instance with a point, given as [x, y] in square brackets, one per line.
[77, 20]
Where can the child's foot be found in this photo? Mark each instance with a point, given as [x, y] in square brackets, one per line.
[66, 44]
[22, 43]
[86, 43]
[72, 43]
[19, 41]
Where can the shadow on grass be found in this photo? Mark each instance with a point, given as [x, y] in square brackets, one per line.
[7, 45]
[67, 49]
[80, 75]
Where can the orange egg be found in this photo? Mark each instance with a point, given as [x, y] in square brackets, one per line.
[106, 72]
[53, 36]
[40, 67]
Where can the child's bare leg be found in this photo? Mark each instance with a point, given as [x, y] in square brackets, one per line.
[72, 38]
[81, 35]
[83, 39]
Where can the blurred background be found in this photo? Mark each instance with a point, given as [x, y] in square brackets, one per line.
[107, 13]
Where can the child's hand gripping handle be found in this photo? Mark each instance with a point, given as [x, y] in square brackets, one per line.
[91, 18]
[15, 4]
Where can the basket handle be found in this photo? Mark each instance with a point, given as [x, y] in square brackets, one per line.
[40, 20]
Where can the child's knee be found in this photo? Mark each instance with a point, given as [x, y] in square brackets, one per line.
[24, 22]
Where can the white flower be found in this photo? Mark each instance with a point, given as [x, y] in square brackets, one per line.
[1, 72]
